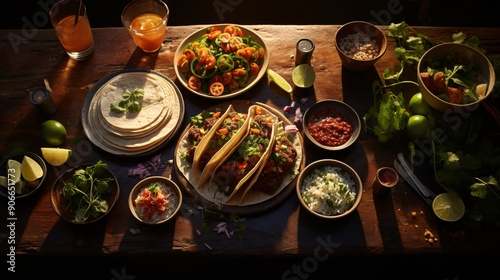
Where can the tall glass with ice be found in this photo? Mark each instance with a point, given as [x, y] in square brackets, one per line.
[71, 23]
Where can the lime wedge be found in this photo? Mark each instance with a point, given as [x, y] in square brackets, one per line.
[448, 207]
[56, 156]
[481, 91]
[280, 81]
[30, 169]
[303, 75]
[15, 169]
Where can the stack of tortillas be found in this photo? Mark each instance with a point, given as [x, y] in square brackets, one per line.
[133, 133]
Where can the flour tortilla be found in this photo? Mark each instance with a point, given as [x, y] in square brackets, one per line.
[152, 102]
[203, 145]
[111, 138]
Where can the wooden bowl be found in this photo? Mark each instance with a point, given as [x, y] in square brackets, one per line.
[358, 65]
[332, 108]
[175, 200]
[467, 55]
[65, 209]
[331, 167]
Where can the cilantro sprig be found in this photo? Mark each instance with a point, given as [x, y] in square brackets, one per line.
[130, 101]
[87, 190]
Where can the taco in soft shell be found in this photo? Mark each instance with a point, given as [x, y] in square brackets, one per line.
[224, 135]
[279, 169]
[246, 157]
[200, 126]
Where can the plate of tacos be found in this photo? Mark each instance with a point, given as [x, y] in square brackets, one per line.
[237, 157]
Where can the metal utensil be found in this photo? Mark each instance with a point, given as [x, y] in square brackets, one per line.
[402, 172]
[423, 189]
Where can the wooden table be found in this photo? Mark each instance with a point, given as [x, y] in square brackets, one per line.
[280, 239]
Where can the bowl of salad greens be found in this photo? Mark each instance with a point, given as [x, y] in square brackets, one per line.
[455, 76]
[221, 61]
[85, 194]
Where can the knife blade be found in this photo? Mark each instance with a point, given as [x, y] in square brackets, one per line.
[407, 178]
[413, 177]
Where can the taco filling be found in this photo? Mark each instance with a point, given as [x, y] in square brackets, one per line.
[279, 164]
[200, 126]
[229, 127]
[246, 156]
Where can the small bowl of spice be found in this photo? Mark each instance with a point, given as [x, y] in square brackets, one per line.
[360, 45]
[331, 124]
[155, 200]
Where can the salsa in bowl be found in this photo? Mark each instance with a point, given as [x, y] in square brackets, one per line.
[155, 200]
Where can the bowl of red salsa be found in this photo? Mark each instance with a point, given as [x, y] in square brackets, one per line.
[331, 124]
[155, 200]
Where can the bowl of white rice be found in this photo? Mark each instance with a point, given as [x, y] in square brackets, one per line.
[360, 45]
[329, 189]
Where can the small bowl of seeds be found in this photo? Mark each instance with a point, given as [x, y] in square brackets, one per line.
[360, 45]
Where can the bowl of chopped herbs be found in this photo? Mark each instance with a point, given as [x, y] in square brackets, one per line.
[85, 194]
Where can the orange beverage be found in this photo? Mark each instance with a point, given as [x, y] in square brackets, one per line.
[148, 31]
[74, 38]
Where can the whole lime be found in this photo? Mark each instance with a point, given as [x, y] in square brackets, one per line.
[418, 105]
[418, 127]
[53, 132]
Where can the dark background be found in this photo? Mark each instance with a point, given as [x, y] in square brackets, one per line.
[106, 13]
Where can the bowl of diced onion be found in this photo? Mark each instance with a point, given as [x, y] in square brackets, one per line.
[329, 189]
[155, 200]
[360, 45]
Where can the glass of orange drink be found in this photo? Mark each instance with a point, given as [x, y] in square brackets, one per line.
[146, 21]
[71, 23]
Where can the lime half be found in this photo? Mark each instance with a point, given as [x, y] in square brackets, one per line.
[448, 207]
[303, 75]
[280, 81]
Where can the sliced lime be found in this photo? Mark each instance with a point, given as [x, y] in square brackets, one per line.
[280, 81]
[303, 75]
[15, 169]
[448, 207]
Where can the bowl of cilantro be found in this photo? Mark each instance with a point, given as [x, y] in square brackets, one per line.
[85, 194]
[455, 77]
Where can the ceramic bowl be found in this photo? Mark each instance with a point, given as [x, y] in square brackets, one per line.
[361, 27]
[334, 169]
[325, 111]
[23, 188]
[67, 211]
[174, 199]
[253, 80]
[460, 54]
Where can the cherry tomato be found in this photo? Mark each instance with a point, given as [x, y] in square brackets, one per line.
[230, 28]
[214, 34]
[194, 83]
[216, 89]
[227, 78]
[216, 78]
[183, 64]
[239, 73]
[254, 68]
[233, 85]
[190, 55]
